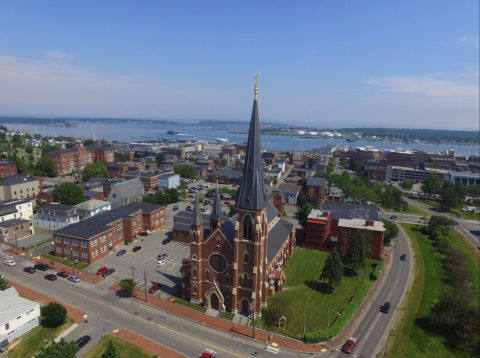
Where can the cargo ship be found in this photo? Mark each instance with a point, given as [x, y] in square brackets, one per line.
[173, 131]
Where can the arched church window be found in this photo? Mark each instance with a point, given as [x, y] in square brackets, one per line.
[194, 272]
[194, 257]
[194, 289]
[250, 283]
[247, 228]
[245, 280]
[227, 279]
[245, 258]
[214, 226]
[194, 237]
[208, 275]
[240, 281]
[188, 280]
[218, 241]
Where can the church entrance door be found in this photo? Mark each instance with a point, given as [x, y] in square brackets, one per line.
[245, 307]
[214, 302]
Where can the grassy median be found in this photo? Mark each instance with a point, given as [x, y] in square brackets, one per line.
[413, 335]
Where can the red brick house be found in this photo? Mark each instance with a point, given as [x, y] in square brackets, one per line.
[8, 169]
[115, 170]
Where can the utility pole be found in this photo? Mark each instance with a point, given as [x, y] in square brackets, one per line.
[145, 281]
[133, 278]
[304, 323]
[386, 346]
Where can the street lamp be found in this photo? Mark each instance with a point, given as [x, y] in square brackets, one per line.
[328, 326]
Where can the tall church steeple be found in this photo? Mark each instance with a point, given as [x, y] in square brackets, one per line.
[251, 195]
[197, 215]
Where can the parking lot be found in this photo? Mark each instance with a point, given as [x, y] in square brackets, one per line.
[144, 261]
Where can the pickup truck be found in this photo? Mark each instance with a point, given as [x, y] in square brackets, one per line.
[349, 345]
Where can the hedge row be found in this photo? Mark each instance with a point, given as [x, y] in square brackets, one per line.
[377, 271]
[78, 265]
[346, 314]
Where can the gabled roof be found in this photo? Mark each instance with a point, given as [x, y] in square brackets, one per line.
[272, 212]
[128, 189]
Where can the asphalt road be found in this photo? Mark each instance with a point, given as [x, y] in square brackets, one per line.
[372, 329]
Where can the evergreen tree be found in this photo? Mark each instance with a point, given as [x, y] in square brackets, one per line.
[355, 257]
[449, 195]
[111, 351]
[332, 271]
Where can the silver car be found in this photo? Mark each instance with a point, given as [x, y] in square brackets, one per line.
[73, 279]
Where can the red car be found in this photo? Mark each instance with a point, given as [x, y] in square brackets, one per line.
[349, 345]
[207, 355]
[228, 203]
[155, 287]
[145, 233]
[62, 274]
[101, 270]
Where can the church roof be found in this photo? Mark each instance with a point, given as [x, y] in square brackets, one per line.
[277, 236]
[251, 195]
[272, 212]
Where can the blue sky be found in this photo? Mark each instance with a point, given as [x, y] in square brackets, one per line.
[410, 64]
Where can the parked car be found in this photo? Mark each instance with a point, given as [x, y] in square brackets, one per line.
[393, 217]
[51, 277]
[63, 274]
[188, 208]
[108, 272]
[137, 248]
[73, 279]
[207, 355]
[175, 208]
[166, 241]
[82, 341]
[228, 203]
[9, 262]
[41, 267]
[155, 287]
[145, 233]
[29, 270]
[386, 307]
[161, 263]
[349, 345]
[121, 252]
[162, 256]
[403, 257]
[101, 270]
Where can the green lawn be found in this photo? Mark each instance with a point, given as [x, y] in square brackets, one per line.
[186, 302]
[306, 295]
[412, 335]
[33, 341]
[453, 211]
[411, 210]
[125, 348]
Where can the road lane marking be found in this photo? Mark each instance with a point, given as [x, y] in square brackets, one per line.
[478, 241]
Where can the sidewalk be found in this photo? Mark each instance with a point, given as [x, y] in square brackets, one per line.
[147, 344]
[261, 336]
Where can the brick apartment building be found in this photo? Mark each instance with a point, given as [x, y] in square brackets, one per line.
[75, 159]
[115, 170]
[364, 154]
[317, 187]
[335, 226]
[92, 239]
[8, 169]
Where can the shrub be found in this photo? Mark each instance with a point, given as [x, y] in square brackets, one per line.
[53, 314]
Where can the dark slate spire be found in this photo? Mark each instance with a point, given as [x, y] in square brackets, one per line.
[217, 213]
[197, 215]
[251, 195]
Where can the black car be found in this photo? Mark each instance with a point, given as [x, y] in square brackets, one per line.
[108, 272]
[41, 267]
[121, 252]
[51, 277]
[393, 217]
[29, 270]
[386, 307]
[82, 341]
[166, 241]
[137, 248]
[175, 208]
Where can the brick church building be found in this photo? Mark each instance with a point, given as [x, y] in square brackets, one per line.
[236, 263]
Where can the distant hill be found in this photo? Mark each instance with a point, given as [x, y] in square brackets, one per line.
[237, 123]
[33, 120]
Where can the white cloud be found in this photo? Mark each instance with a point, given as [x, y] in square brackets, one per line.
[59, 55]
[424, 85]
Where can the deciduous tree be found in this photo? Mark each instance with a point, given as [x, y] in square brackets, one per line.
[303, 213]
[95, 170]
[3, 284]
[391, 231]
[128, 285]
[62, 349]
[68, 193]
[47, 166]
[431, 184]
[53, 314]
[407, 184]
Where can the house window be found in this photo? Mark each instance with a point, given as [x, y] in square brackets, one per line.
[103, 238]
[75, 252]
[58, 239]
[66, 240]
[94, 253]
[85, 254]
[84, 243]
[156, 214]
[28, 312]
[94, 243]
[67, 251]
[59, 249]
[75, 242]
[120, 235]
[104, 248]
[119, 226]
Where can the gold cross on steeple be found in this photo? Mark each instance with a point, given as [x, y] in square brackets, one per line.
[256, 87]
